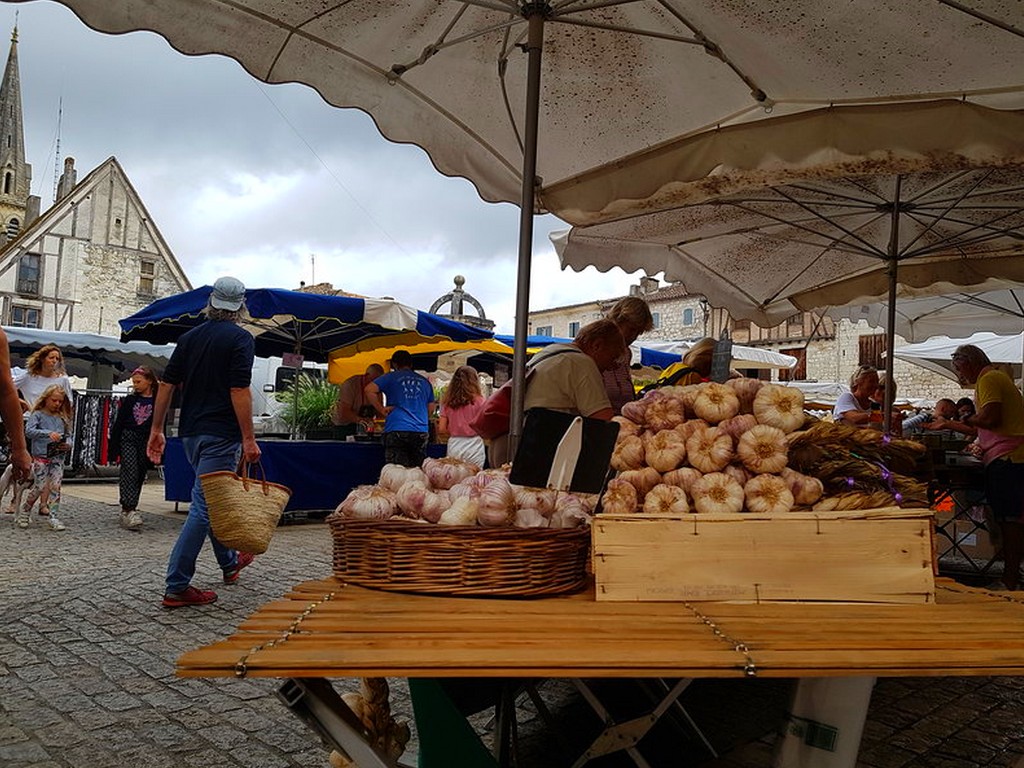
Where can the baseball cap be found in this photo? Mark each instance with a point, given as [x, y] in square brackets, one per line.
[228, 293]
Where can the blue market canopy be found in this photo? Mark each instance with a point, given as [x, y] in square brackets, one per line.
[291, 321]
[82, 350]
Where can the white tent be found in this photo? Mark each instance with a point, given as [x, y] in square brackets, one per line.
[936, 353]
[742, 356]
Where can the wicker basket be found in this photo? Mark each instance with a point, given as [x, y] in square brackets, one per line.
[407, 556]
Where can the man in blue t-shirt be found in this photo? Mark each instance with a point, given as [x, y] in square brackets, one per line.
[410, 399]
[212, 365]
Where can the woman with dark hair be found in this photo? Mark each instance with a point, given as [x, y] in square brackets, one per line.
[128, 437]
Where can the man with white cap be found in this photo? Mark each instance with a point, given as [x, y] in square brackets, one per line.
[212, 365]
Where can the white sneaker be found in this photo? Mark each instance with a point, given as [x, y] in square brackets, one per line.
[23, 523]
[131, 520]
[55, 524]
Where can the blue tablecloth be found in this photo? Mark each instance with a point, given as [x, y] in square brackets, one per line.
[319, 472]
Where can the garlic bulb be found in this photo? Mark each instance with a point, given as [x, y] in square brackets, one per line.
[587, 500]
[763, 449]
[746, 390]
[688, 427]
[527, 517]
[570, 503]
[709, 449]
[570, 518]
[368, 502]
[768, 494]
[737, 425]
[541, 499]
[664, 450]
[463, 511]
[663, 412]
[642, 479]
[717, 493]
[497, 504]
[394, 476]
[715, 403]
[446, 472]
[635, 410]
[687, 395]
[619, 497]
[418, 502]
[628, 454]
[780, 407]
[806, 490]
[684, 477]
[464, 489]
[627, 428]
[738, 473]
[666, 499]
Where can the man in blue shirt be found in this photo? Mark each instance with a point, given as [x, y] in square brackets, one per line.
[410, 400]
[212, 364]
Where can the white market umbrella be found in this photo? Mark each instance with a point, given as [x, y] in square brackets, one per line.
[936, 354]
[878, 212]
[742, 356]
[918, 319]
[534, 102]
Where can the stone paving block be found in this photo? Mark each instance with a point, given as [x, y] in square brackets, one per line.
[22, 752]
[209, 758]
[967, 749]
[92, 719]
[884, 756]
[62, 734]
[9, 734]
[255, 755]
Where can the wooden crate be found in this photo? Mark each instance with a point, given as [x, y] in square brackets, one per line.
[879, 555]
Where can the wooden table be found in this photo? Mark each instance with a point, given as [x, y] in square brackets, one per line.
[326, 629]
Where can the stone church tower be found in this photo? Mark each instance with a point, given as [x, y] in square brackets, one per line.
[17, 206]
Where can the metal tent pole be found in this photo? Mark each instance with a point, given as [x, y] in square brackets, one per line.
[535, 14]
[890, 329]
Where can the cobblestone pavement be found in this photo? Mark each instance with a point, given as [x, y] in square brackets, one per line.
[87, 670]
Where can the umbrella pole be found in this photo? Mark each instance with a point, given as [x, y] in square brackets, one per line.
[890, 329]
[534, 46]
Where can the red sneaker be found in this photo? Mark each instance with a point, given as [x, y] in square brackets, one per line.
[244, 559]
[189, 596]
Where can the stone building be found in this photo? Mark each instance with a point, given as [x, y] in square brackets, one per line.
[92, 258]
[826, 350]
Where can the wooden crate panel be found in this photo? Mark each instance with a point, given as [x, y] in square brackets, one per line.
[880, 556]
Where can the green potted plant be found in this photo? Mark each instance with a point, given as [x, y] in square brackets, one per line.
[309, 403]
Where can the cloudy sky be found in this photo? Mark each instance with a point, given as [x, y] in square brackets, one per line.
[268, 182]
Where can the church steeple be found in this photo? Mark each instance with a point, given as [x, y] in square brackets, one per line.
[15, 173]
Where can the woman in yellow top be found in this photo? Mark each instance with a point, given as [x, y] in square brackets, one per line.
[999, 423]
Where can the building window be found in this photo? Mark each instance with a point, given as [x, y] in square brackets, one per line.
[795, 325]
[799, 371]
[872, 350]
[13, 228]
[147, 277]
[656, 319]
[25, 317]
[687, 317]
[574, 328]
[741, 325]
[7, 183]
[28, 274]
[543, 330]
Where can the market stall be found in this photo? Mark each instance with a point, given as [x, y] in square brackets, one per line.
[320, 473]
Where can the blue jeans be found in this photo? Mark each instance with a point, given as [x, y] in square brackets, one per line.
[206, 453]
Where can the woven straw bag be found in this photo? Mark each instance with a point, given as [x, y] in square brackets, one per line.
[244, 510]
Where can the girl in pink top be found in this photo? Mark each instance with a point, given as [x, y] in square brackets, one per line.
[460, 404]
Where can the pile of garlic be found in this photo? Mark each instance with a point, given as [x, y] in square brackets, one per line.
[452, 492]
[709, 448]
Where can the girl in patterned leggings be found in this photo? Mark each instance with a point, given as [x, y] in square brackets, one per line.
[48, 431]
[128, 438]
